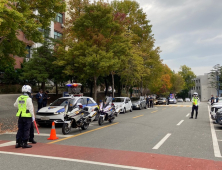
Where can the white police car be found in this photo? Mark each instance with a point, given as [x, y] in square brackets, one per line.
[56, 110]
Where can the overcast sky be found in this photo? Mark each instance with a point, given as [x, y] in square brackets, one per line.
[189, 32]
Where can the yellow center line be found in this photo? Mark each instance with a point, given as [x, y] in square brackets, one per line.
[137, 116]
[82, 133]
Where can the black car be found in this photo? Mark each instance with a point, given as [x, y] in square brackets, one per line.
[138, 103]
[161, 100]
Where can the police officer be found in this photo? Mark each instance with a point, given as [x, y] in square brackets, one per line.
[26, 117]
[148, 101]
[195, 103]
[151, 101]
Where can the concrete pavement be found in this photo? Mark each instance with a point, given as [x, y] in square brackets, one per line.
[164, 131]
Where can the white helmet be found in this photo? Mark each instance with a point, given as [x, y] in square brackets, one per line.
[26, 89]
[195, 93]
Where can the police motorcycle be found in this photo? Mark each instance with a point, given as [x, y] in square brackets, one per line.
[77, 117]
[107, 112]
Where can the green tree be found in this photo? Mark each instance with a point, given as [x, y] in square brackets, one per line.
[215, 78]
[22, 16]
[177, 83]
[188, 76]
[98, 47]
[40, 68]
[139, 33]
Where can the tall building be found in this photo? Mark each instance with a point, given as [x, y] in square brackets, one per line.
[203, 88]
[56, 30]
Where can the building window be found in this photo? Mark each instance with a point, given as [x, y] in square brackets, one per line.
[57, 35]
[28, 49]
[45, 32]
[59, 18]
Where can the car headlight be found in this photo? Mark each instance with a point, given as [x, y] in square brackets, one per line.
[57, 113]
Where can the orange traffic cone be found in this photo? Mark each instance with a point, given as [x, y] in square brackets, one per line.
[53, 133]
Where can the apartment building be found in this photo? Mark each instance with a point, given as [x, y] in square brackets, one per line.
[202, 87]
[56, 30]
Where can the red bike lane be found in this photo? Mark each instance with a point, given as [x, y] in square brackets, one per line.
[117, 157]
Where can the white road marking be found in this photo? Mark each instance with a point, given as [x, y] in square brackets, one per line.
[76, 160]
[162, 141]
[214, 138]
[188, 115]
[180, 123]
[8, 144]
[40, 134]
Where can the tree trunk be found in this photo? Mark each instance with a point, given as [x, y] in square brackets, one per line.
[141, 88]
[119, 89]
[95, 89]
[112, 73]
[91, 89]
[56, 88]
[82, 89]
[106, 84]
[43, 86]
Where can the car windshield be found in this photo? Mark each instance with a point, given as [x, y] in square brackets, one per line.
[118, 100]
[214, 109]
[108, 99]
[135, 99]
[60, 102]
[161, 98]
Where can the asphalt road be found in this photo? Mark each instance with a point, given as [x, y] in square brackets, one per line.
[163, 131]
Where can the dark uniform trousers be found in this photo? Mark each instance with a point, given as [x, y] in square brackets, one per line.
[196, 110]
[24, 125]
[31, 136]
[147, 103]
[151, 103]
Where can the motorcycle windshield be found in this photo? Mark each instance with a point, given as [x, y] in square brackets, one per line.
[105, 106]
[71, 105]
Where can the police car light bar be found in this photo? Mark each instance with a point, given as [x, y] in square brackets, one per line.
[73, 84]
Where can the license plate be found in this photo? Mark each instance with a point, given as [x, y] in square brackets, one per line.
[45, 118]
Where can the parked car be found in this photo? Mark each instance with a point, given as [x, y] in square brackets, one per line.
[161, 100]
[218, 117]
[56, 110]
[172, 101]
[179, 100]
[187, 100]
[124, 104]
[138, 103]
[214, 109]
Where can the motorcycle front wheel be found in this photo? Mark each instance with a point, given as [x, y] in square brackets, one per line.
[100, 121]
[65, 128]
[111, 120]
[85, 126]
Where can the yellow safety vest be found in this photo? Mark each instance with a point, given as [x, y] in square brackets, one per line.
[195, 100]
[22, 110]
